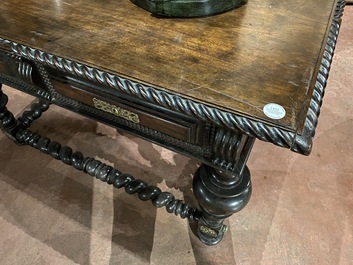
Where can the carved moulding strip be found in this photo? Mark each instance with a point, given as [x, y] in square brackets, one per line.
[226, 148]
[303, 142]
[25, 70]
[298, 143]
[5, 43]
[23, 86]
[162, 98]
[19, 74]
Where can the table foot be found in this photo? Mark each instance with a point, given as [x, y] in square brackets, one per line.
[220, 194]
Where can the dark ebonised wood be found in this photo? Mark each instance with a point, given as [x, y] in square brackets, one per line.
[196, 86]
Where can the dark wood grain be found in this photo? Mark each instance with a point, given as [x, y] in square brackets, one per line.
[264, 51]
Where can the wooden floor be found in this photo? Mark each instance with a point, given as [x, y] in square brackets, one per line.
[301, 210]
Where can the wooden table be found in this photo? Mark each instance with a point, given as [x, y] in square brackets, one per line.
[204, 87]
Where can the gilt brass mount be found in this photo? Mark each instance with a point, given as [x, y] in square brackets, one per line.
[115, 110]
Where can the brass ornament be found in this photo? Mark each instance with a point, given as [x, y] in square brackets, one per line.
[115, 110]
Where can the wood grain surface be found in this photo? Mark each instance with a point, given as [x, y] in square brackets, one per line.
[263, 52]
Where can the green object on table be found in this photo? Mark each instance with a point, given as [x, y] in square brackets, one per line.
[187, 8]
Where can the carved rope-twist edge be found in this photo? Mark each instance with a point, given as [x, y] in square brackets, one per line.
[205, 113]
[303, 142]
[298, 143]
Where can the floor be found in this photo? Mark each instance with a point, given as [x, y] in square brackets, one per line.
[301, 210]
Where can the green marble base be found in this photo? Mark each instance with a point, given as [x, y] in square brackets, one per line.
[186, 8]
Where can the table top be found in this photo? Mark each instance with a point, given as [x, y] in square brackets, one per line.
[264, 51]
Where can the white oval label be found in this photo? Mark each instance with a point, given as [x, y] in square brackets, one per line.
[274, 111]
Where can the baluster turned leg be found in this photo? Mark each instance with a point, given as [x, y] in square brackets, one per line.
[8, 123]
[221, 193]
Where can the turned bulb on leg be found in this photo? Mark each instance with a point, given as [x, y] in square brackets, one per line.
[219, 195]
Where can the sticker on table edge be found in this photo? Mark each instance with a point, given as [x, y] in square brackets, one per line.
[274, 111]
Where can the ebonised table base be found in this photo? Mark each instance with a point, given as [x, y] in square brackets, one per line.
[219, 193]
